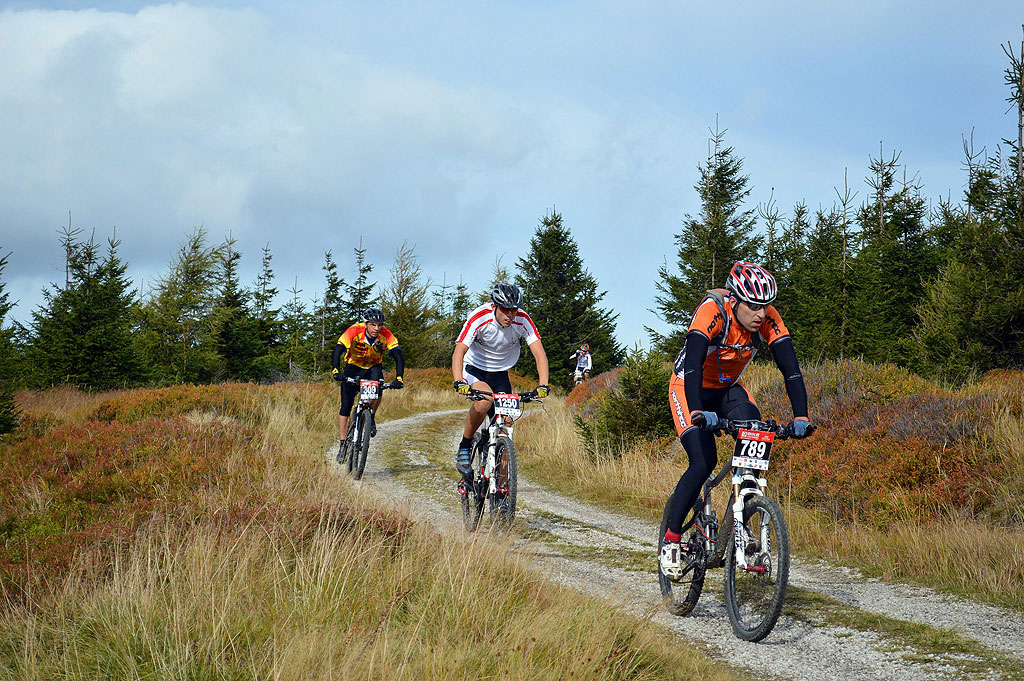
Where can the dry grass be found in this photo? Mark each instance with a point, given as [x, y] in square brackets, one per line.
[320, 582]
[62, 403]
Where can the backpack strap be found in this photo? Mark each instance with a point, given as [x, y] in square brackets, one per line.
[719, 298]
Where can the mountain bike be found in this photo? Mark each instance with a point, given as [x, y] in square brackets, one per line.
[753, 544]
[493, 461]
[357, 444]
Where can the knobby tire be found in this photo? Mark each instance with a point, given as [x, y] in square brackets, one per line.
[503, 505]
[364, 442]
[350, 443]
[754, 602]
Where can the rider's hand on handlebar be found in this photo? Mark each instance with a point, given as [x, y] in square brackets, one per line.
[462, 386]
[337, 375]
[800, 428]
[542, 391]
[398, 383]
[705, 420]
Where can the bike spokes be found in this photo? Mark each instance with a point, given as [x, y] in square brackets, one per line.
[754, 592]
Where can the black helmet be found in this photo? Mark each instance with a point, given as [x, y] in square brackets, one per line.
[372, 314]
[506, 295]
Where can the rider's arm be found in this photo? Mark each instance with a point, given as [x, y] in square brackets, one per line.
[785, 359]
[537, 348]
[396, 353]
[590, 363]
[336, 356]
[695, 350]
[457, 359]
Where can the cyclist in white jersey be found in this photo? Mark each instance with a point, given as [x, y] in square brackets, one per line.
[487, 347]
[584, 363]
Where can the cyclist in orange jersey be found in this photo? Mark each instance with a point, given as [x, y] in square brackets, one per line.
[363, 346]
[725, 333]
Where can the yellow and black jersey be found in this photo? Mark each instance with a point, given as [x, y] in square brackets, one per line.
[363, 352]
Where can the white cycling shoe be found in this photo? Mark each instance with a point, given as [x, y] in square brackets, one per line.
[670, 561]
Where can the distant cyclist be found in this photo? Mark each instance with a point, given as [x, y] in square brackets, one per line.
[487, 348]
[364, 345]
[584, 363]
[725, 333]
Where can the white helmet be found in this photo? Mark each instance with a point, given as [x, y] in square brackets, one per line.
[752, 283]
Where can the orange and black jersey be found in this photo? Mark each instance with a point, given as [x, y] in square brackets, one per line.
[718, 349]
[364, 352]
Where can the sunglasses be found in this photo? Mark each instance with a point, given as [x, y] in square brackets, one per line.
[754, 307]
[509, 311]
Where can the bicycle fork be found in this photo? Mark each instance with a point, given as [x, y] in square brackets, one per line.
[494, 431]
[739, 528]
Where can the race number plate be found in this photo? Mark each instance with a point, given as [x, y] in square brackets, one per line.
[753, 447]
[507, 405]
[369, 390]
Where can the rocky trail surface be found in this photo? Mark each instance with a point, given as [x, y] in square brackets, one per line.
[837, 624]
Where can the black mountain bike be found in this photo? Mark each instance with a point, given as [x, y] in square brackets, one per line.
[753, 544]
[494, 461]
[359, 426]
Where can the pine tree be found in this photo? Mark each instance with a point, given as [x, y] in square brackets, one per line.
[895, 258]
[360, 293]
[562, 298]
[176, 338]
[332, 315]
[268, 323]
[296, 328]
[709, 244]
[410, 314]
[82, 336]
[236, 329]
[9, 411]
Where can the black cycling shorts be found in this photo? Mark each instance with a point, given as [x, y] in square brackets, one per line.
[349, 390]
[498, 380]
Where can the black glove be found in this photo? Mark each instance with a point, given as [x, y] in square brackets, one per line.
[398, 383]
[705, 420]
[801, 428]
[542, 391]
[337, 375]
[462, 387]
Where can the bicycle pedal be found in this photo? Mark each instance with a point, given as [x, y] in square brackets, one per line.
[502, 490]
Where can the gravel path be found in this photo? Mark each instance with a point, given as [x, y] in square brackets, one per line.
[837, 624]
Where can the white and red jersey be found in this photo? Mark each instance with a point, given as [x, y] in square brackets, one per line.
[493, 347]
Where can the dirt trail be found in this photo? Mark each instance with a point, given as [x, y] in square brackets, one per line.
[836, 624]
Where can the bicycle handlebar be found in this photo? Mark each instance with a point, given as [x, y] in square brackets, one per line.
[384, 385]
[733, 427]
[477, 395]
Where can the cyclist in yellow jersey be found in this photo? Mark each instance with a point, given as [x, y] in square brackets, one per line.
[364, 345]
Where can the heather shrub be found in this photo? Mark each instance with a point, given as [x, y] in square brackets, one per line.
[891, 444]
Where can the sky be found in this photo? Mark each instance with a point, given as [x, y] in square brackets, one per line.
[454, 127]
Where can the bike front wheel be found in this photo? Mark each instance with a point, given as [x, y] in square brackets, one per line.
[754, 594]
[350, 442]
[682, 596]
[503, 501]
[363, 446]
[474, 492]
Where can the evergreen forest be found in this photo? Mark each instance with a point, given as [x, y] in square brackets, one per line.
[880, 273]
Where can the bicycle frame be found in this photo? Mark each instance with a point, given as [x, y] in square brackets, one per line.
[496, 426]
[746, 482]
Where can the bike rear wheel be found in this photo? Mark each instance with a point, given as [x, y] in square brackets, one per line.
[754, 596]
[682, 596]
[503, 501]
[473, 499]
[363, 446]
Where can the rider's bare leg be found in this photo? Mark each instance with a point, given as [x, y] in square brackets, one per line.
[477, 412]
